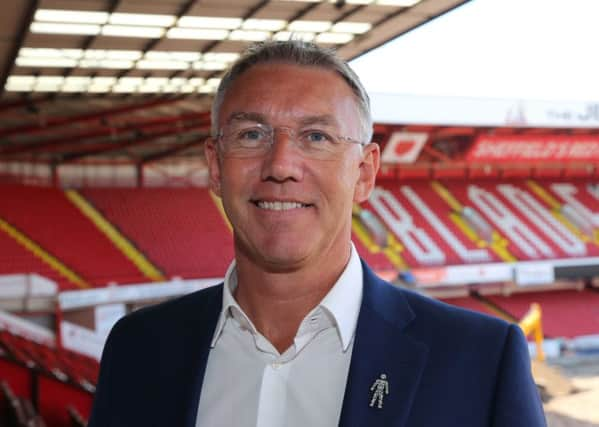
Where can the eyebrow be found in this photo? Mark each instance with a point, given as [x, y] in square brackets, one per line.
[247, 117]
[324, 119]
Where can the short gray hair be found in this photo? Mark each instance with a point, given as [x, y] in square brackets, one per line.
[295, 52]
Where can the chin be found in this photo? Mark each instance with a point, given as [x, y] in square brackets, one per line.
[284, 257]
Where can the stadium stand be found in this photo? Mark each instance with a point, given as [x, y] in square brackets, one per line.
[40, 382]
[182, 232]
[440, 223]
[15, 259]
[197, 243]
[48, 218]
[76, 418]
[566, 313]
[179, 229]
[421, 208]
[376, 260]
[543, 248]
[18, 412]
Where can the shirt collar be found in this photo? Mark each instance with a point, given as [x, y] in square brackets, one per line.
[342, 302]
[345, 297]
[230, 306]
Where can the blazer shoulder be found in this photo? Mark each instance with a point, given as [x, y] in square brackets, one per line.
[192, 307]
[408, 308]
[454, 319]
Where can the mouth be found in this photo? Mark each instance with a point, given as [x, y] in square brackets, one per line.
[276, 205]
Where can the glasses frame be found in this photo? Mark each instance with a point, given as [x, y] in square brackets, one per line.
[271, 131]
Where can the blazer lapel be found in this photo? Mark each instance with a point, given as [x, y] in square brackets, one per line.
[382, 351]
[195, 357]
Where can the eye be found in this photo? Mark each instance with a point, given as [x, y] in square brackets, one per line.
[251, 134]
[316, 137]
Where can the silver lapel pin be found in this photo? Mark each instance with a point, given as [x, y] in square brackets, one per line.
[380, 387]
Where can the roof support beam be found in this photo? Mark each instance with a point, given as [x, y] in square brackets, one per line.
[104, 148]
[174, 150]
[96, 115]
[56, 144]
[26, 101]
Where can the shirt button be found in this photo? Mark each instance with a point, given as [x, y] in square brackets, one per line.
[275, 365]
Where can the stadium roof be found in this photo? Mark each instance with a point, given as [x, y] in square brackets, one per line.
[128, 77]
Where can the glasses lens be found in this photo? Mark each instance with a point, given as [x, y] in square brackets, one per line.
[255, 139]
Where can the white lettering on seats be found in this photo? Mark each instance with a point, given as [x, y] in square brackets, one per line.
[513, 228]
[540, 216]
[568, 193]
[467, 255]
[399, 220]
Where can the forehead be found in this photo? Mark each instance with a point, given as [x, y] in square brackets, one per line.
[289, 92]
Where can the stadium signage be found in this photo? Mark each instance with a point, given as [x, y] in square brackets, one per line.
[590, 114]
[534, 273]
[527, 148]
[463, 274]
[404, 147]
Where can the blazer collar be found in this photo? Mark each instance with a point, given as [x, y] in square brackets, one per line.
[382, 347]
[207, 306]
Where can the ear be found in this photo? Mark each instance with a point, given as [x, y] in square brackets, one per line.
[369, 167]
[211, 155]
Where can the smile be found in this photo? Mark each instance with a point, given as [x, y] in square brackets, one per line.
[279, 206]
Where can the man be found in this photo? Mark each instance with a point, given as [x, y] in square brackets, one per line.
[302, 333]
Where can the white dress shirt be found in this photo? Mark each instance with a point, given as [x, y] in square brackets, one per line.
[248, 383]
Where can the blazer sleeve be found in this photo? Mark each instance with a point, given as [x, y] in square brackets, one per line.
[517, 401]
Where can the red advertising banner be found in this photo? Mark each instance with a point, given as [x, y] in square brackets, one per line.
[528, 148]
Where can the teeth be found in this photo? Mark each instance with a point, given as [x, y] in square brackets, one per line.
[280, 206]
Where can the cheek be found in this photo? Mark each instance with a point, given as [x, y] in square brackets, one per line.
[237, 173]
[341, 182]
[238, 180]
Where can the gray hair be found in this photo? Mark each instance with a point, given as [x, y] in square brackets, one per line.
[295, 52]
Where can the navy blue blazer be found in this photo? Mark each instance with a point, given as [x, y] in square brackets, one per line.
[445, 366]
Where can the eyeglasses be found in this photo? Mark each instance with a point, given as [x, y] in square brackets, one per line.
[256, 139]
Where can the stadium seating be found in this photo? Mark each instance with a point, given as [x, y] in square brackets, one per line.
[378, 261]
[15, 259]
[419, 203]
[542, 246]
[183, 234]
[62, 364]
[47, 217]
[17, 411]
[179, 229]
[566, 313]
[64, 383]
[429, 220]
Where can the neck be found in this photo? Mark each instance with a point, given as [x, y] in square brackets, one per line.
[276, 302]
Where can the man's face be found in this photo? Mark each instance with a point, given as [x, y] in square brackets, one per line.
[287, 209]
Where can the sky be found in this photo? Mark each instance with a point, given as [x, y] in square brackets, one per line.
[545, 50]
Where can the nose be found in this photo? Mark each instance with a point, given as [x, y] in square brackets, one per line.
[284, 161]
